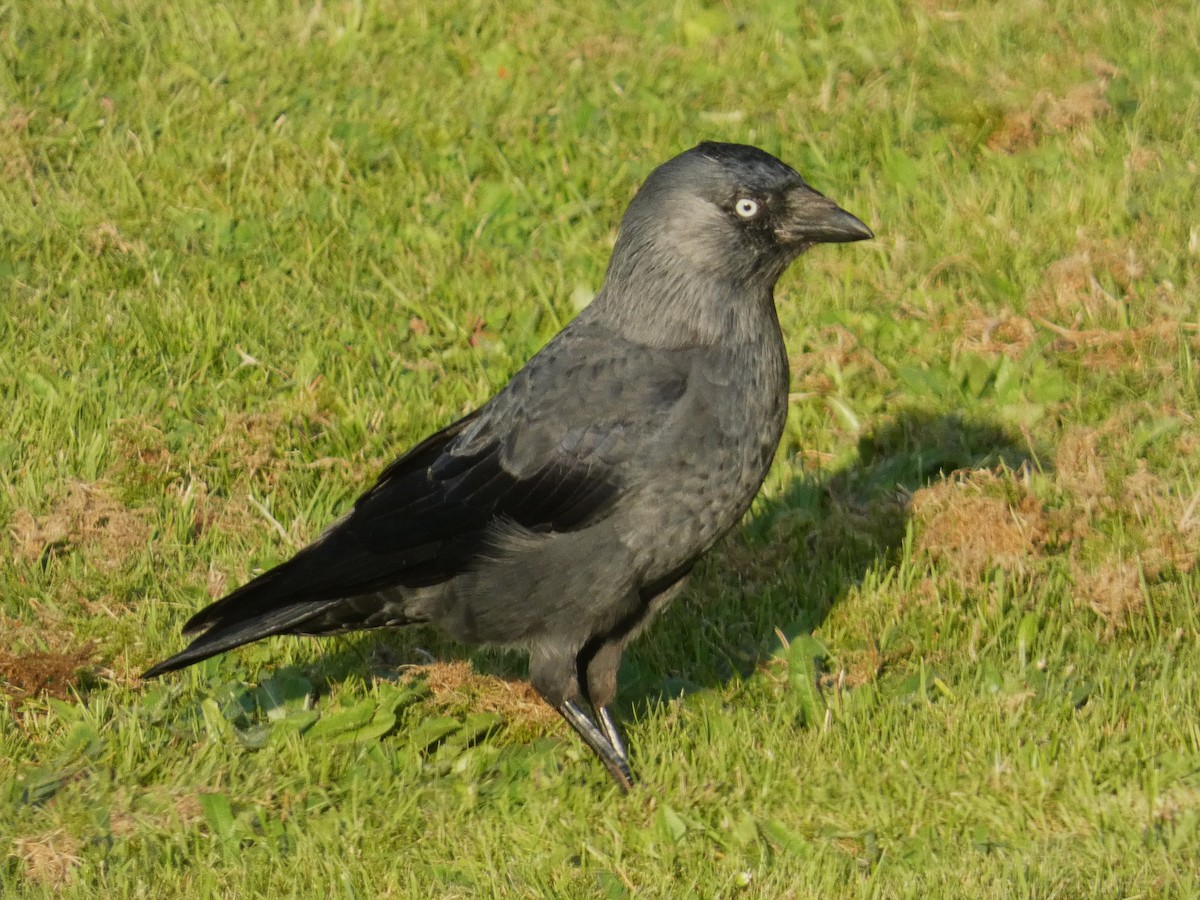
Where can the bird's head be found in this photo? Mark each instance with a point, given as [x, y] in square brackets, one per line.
[728, 211]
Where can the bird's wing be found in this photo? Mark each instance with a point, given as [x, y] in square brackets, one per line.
[551, 452]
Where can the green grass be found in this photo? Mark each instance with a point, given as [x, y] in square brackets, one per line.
[251, 252]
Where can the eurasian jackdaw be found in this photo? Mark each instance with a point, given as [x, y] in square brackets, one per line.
[566, 512]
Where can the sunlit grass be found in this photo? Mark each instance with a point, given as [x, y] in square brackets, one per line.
[250, 253]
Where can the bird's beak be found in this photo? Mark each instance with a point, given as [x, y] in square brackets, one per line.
[813, 218]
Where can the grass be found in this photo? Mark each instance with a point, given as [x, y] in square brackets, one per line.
[252, 252]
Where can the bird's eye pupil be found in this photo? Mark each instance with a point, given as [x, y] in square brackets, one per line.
[746, 208]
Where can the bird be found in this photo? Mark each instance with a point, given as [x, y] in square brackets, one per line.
[565, 513]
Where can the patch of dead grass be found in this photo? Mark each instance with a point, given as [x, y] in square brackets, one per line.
[18, 164]
[51, 673]
[457, 684]
[212, 512]
[139, 450]
[1113, 590]
[1105, 280]
[105, 238]
[1097, 301]
[1077, 464]
[1071, 291]
[1141, 159]
[250, 439]
[187, 809]
[1001, 333]
[250, 442]
[88, 518]
[866, 665]
[48, 860]
[1165, 524]
[972, 531]
[1052, 114]
[1150, 347]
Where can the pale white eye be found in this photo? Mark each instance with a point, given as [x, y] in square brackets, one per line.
[746, 208]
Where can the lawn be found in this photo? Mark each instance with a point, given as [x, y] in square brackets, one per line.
[249, 253]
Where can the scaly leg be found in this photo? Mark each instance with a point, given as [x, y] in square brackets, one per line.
[609, 727]
[612, 757]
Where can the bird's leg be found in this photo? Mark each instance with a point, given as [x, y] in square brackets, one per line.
[609, 727]
[612, 757]
[599, 660]
[597, 666]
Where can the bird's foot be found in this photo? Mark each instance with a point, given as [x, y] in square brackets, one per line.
[609, 727]
[610, 751]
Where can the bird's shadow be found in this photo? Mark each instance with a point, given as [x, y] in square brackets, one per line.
[796, 556]
[803, 550]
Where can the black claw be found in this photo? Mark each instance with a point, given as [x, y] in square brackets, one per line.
[613, 759]
[609, 727]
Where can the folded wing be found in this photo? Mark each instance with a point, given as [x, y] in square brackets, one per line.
[551, 468]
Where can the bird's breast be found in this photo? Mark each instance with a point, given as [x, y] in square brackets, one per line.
[721, 445]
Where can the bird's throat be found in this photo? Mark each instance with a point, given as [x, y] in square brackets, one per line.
[681, 312]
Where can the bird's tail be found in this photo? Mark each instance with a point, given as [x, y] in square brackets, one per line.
[279, 601]
[225, 634]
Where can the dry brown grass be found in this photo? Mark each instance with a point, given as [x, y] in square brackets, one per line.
[250, 438]
[105, 238]
[1112, 589]
[1002, 332]
[1098, 302]
[1077, 464]
[247, 446]
[1164, 521]
[1050, 114]
[1071, 291]
[457, 684]
[48, 860]
[212, 512]
[971, 531]
[1166, 535]
[867, 665]
[49, 673]
[86, 518]
[18, 167]
[139, 450]
[154, 809]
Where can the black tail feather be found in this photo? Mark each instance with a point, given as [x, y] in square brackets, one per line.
[226, 636]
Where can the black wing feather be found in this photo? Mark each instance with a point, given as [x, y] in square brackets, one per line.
[534, 457]
[421, 522]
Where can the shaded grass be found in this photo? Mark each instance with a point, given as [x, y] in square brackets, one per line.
[250, 254]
